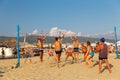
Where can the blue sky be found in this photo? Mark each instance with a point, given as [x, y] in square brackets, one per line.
[84, 16]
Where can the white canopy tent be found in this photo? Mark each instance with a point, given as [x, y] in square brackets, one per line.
[8, 52]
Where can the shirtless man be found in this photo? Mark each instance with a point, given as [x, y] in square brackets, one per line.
[27, 55]
[76, 48]
[58, 50]
[40, 45]
[61, 36]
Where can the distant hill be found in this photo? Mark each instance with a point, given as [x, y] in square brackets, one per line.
[33, 39]
[4, 38]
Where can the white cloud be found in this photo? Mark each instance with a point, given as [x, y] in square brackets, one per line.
[69, 32]
[35, 31]
[99, 35]
[55, 31]
[79, 34]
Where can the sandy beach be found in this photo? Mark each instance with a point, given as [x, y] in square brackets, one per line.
[67, 71]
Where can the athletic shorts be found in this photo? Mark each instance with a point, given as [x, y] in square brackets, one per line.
[91, 54]
[100, 58]
[27, 55]
[58, 52]
[76, 49]
[40, 50]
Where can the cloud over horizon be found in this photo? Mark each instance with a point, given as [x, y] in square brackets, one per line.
[35, 31]
[55, 31]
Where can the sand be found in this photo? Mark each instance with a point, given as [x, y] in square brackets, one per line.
[67, 71]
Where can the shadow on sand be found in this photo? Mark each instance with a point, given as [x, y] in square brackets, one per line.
[105, 67]
[96, 63]
[1, 73]
[68, 62]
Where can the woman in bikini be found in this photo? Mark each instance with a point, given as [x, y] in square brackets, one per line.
[89, 54]
[69, 53]
[84, 50]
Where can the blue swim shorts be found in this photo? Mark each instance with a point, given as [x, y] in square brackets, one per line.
[91, 54]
